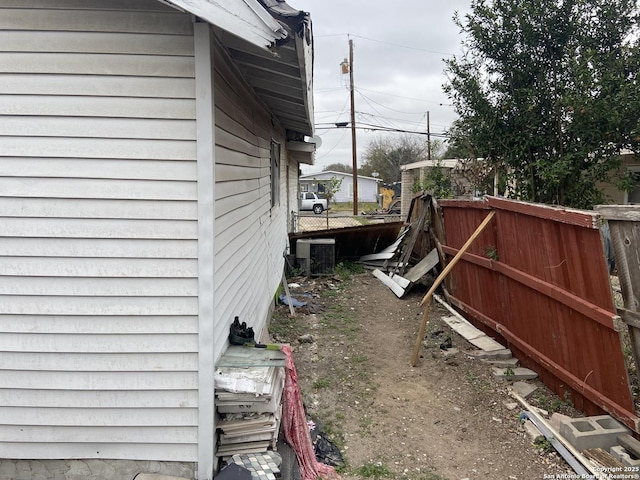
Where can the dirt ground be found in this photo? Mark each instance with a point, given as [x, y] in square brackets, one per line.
[447, 418]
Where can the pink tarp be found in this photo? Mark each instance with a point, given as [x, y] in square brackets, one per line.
[296, 428]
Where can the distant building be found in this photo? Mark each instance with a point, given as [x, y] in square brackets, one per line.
[615, 196]
[367, 186]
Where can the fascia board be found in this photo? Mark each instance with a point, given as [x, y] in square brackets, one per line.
[246, 19]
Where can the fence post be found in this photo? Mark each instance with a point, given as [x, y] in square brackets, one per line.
[624, 225]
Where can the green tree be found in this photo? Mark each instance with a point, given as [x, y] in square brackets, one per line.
[547, 92]
[385, 155]
[338, 167]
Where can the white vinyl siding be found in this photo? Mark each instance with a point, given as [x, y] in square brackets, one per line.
[98, 207]
[250, 234]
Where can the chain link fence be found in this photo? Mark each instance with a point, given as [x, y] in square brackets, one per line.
[310, 223]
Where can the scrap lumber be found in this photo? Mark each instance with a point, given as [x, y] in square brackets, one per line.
[427, 298]
[389, 282]
[416, 227]
[604, 460]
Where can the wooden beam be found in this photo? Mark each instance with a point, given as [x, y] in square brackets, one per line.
[427, 298]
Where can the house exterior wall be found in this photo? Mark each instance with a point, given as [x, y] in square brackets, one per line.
[98, 283]
[615, 196]
[250, 233]
[367, 187]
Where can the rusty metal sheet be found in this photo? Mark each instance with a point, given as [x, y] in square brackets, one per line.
[538, 279]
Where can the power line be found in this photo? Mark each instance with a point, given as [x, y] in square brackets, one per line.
[408, 47]
[407, 98]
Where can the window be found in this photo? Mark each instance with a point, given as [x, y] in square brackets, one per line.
[275, 174]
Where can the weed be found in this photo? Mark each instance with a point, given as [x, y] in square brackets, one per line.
[374, 470]
[491, 252]
[509, 373]
[479, 384]
[322, 383]
[543, 444]
[359, 359]
[345, 270]
[365, 423]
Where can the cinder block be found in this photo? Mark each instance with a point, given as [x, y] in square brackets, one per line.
[593, 432]
[620, 453]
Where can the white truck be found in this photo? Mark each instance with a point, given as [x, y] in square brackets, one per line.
[311, 201]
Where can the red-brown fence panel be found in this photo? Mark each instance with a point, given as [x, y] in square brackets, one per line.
[537, 278]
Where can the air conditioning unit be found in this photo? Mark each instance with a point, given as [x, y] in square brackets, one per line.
[316, 256]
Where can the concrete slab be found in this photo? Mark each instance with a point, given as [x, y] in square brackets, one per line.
[523, 389]
[502, 354]
[513, 374]
[487, 344]
[508, 363]
[593, 432]
[94, 469]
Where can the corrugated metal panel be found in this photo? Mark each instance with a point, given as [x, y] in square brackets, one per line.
[98, 191]
[537, 277]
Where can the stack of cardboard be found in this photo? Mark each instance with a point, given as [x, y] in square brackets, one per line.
[249, 403]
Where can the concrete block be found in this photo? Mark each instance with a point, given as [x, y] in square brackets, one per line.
[557, 419]
[593, 432]
[517, 373]
[502, 354]
[524, 389]
[620, 453]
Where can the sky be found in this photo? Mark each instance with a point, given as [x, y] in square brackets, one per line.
[398, 69]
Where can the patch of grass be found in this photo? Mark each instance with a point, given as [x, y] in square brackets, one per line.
[322, 383]
[285, 327]
[553, 403]
[345, 270]
[374, 470]
[480, 385]
[543, 444]
[359, 358]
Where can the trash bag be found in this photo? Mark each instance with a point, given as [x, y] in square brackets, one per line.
[326, 452]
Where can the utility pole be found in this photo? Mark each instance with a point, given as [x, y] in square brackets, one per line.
[428, 138]
[354, 156]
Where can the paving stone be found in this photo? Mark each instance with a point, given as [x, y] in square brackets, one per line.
[510, 362]
[502, 354]
[524, 389]
[518, 373]
[487, 344]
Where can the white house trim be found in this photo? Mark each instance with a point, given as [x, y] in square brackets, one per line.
[245, 18]
[206, 240]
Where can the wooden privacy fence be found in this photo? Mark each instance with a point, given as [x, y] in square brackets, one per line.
[536, 278]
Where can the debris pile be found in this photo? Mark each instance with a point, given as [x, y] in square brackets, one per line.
[404, 263]
[248, 392]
